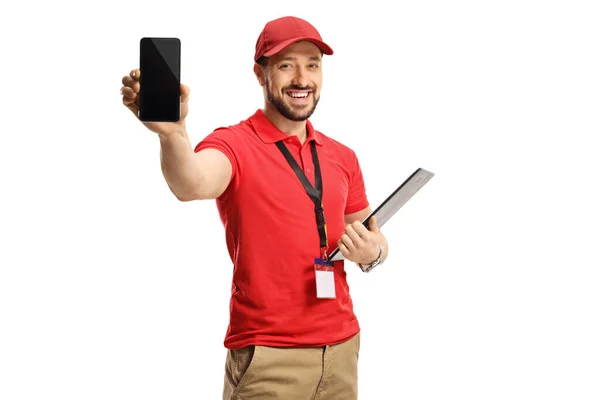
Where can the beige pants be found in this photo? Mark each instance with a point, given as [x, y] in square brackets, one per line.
[269, 373]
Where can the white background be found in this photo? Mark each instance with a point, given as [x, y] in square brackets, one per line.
[112, 289]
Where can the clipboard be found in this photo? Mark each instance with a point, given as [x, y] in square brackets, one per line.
[393, 203]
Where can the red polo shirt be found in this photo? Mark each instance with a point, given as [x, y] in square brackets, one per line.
[272, 236]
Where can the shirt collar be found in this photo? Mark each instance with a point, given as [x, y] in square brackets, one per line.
[269, 133]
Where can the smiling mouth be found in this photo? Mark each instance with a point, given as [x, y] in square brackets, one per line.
[298, 94]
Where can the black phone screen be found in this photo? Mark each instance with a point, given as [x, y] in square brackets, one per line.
[159, 96]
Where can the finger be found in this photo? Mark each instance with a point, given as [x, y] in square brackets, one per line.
[354, 236]
[130, 102]
[343, 249]
[128, 93]
[347, 241]
[373, 227]
[360, 230]
[132, 83]
[131, 105]
[135, 74]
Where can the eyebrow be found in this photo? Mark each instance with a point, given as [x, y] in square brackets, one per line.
[290, 58]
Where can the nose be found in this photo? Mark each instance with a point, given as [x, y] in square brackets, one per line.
[300, 77]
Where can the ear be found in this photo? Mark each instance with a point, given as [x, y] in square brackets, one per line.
[260, 74]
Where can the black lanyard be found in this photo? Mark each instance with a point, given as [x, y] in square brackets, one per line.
[315, 193]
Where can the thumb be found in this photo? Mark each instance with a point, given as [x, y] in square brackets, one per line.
[185, 96]
[185, 93]
[373, 224]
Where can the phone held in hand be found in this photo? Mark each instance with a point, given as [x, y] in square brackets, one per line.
[160, 70]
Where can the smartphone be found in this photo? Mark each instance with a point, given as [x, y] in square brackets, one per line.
[160, 69]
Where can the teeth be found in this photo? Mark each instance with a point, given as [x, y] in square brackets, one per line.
[298, 95]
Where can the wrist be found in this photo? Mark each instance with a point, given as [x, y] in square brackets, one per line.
[378, 260]
[168, 136]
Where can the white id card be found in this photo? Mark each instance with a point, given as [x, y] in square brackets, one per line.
[325, 279]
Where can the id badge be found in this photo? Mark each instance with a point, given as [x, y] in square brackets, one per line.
[325, 279]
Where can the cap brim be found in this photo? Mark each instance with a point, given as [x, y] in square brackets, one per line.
[321, 45]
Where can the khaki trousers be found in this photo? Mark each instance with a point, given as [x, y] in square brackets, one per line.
[269, 373]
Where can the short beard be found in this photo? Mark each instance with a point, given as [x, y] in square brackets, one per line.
[286, 111]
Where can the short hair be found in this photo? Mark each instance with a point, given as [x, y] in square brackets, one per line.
[263, 61]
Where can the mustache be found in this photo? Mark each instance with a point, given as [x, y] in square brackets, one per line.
[296, 87]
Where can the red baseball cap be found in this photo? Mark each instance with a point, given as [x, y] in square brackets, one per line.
[281, 32]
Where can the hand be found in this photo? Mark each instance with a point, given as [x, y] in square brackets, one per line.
[359, 244]
[130, 90]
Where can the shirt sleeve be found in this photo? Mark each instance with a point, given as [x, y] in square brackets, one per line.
[222, 139]
[357, 195]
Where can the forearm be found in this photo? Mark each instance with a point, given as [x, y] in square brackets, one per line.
[179, 166]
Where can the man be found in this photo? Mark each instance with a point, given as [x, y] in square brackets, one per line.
[287, 195]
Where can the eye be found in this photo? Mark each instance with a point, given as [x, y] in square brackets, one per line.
[313, 66]
[285, 66]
